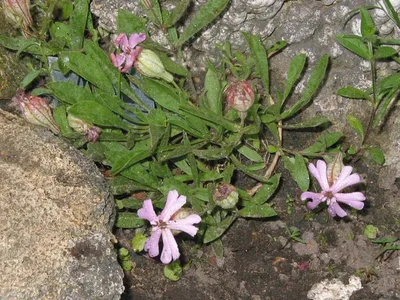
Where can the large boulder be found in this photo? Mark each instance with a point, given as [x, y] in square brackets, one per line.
[55, 219]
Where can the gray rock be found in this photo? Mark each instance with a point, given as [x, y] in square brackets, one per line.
[55, 219]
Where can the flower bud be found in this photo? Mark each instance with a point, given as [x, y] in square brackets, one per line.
[35, 110]
[91, 132]
[226, 196]
[17, 12]
[240, 95]
[335, 168]
[150, 65]
[147, 4]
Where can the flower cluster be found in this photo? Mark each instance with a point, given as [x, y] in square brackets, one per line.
[331, 188]
[129, 50]
[171, 219]
[35, 110]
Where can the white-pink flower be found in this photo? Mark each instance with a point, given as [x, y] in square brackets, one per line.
[163, 225]
[130, 50]
[330, 191]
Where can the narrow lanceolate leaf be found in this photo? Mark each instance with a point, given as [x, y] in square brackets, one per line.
[324, 141]
[77, 23]
[316, 78]
[384, 52]
[296, 68]
[384, 106]
[257, 211]
[353, 93]
[356, 125]
[266, 191]
[86, 67]
[129, 220]
[310, 123]
[250, 153]
[261, 60]
[391, 12]
[355, 44]
[95, 113]
[69, 92]
[367, 24]
[213, 92]
[28, 79]
[298, 170]
[214, 232]
[172, 17]
[129, 159]
[206, 14]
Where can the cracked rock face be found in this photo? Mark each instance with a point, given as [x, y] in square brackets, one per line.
[55, 219]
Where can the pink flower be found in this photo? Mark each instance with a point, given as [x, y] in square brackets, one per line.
[331, 188]
[130, 50]
[163, 225]
[35, 110]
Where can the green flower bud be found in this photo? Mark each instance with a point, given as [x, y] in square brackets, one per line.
[226, 196]
[150, 65]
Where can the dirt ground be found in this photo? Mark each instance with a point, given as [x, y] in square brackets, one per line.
[261, 262]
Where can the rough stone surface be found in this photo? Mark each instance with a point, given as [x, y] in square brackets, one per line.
[55, 219]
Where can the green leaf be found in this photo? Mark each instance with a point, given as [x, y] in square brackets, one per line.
[316, 78]
[29, 78]
[384, 52]
[384, 106]
[370, 231]
[69, 92]
[296, 68]
[246, 170]
[250, 153]
[173, 271]
[129, 159]
[309, 123]
[213, 92]
[298, 170]
[86, 67]
[170, 65]
[129, 220]
[160, 93]
[129, 23]
[138, 242]
[367, 24]
[324, 141]
[261, 60]
[356, 125]
[204, 16]
[78, 23]
[95, 113]
[31, 46]
[214, 232]
[353, 93]
[174, 16]
[120, 185]
[391, 12]
[355, 44]
[385, 240]
[213, 153]
[257, 211]
[60, 116]
[266, 191]
[376, 154]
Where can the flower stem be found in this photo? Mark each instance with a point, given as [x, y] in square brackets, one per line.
[119, 85]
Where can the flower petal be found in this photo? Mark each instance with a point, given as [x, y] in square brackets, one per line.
[136, 38]
[130, 59]
[334, 209]
[346, 182]
[120, 40]
[147, 211]
[319, 173]
[170, 247]
[173, 204]
[346, 171]
[352, 199]
[315, 197]
[152, 242]
[186, 224]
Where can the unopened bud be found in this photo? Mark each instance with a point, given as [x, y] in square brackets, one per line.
[90, 131]
[335, 168]
[226, 196]
[147, 4]
[150, 65]
[17, 12]
[240, 95]
[35, 110]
